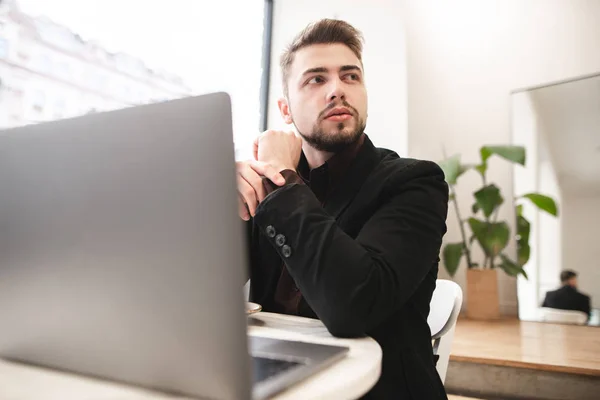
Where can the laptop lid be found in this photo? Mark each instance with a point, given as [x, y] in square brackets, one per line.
[131, 210]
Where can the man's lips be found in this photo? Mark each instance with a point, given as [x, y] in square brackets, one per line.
[339, 114]
[339, 117]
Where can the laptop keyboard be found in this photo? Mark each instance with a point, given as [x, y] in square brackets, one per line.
[264, 368]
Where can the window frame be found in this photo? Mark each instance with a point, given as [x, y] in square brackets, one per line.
[266, 64]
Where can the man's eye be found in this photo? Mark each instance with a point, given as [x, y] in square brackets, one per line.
[353, 77]
[316, 79]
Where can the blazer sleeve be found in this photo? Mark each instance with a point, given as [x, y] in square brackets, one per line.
[291, 177]
[587, 307]
[355, 284]
[545, 303]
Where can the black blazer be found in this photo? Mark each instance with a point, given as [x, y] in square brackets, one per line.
[366, 263]
[567, 298]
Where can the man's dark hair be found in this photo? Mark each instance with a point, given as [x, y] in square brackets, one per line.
[566, 275]
[325, 31]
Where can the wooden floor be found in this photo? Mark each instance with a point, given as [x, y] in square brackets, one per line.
[543, 346]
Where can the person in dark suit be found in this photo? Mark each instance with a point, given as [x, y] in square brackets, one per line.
[568, 297]
[339, 229]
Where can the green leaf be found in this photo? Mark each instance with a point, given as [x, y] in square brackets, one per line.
[452, 255]
[519, 210]
[542, 202]
[477, 226]
[475, 208]
[523, 228]
[511, 268]
[523, 253]
[488, 199]
[481, 168]
[515, 154]
[523, 248]
[492, 237]
[453, 168]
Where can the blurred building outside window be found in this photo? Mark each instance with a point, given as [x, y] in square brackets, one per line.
[60, 108]
[38, 100]
[116, 53]
[3, 48]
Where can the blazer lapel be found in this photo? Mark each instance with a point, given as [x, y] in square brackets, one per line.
[350, 184]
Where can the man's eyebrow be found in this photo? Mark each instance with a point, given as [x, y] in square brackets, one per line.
[350, 68]
[315, 70]
[322, 70]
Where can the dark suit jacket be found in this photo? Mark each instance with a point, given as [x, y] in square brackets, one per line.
[366, 262]
[567, 298]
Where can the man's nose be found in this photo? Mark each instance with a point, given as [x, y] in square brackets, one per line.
[336, 90]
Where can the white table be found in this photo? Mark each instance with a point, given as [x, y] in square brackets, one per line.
[349, 378]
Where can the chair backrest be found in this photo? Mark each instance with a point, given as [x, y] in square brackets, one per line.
[445, 306]
[563, 316]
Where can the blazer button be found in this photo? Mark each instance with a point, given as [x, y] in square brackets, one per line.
[286, 251]
[271, 231]
[280, 240]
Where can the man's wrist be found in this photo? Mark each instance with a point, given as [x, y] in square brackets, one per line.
[290, 176]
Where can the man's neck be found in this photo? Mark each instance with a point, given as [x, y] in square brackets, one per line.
[314, 157]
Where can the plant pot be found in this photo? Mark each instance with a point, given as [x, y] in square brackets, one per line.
[482, 294]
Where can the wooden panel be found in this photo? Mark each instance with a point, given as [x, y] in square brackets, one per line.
[537, 345]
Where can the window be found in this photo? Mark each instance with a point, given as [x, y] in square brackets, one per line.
[38, 100]
[208, 48]
[63, 69]
[94, 79]
[45, 64]
[3, 48]
[60, 107]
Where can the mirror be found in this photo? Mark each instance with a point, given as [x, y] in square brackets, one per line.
[559, 125]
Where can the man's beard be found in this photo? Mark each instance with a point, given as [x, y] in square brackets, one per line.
[334, 142]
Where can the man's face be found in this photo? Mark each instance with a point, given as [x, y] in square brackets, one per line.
[573, 282]
[327, 98]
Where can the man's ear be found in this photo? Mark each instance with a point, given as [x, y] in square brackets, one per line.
[284, 109]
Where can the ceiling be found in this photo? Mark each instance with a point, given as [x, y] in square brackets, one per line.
[569, 114]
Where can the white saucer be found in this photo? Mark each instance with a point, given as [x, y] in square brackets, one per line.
[252, 308]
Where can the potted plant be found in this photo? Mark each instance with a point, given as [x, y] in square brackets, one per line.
[483, 228]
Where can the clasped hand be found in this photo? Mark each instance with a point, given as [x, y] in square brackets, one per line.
[274, 151]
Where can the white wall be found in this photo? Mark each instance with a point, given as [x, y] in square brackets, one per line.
[581, 230]
[550, 229]
[526, 132]
[463, 58]
[466, 56]
[539, 175]
[384, 60]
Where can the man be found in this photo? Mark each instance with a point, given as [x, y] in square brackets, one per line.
[341, 230]
[568, 297]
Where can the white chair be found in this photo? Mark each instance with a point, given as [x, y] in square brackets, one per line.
[563, 316]
[445, 306]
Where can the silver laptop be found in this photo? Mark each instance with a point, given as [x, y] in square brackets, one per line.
[122, 255]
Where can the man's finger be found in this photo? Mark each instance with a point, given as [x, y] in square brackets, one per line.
[268, 172]
[255, 180]
[248, 195]
[243, 209]
[255, 148]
